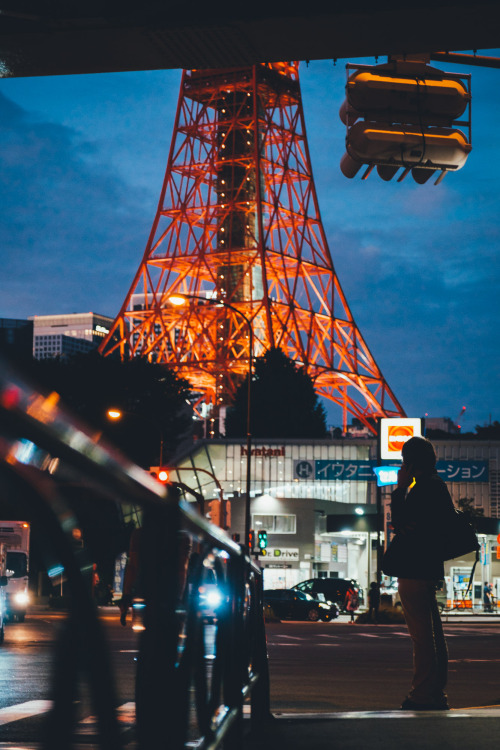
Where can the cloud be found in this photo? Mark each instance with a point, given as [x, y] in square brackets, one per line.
[71, 231]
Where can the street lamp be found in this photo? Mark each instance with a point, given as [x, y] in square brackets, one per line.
[181, 299]
[116, 414]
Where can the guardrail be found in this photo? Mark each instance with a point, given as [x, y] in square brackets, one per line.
[195, 668]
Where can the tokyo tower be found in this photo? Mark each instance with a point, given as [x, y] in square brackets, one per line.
[238, 232]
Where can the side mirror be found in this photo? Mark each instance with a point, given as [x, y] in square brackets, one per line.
[3, 580]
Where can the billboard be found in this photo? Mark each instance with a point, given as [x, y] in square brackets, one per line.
[395, 432]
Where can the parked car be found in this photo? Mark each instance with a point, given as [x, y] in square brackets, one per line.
[289, 604]
[331, 589]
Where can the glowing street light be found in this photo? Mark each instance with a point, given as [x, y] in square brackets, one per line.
[116, 414]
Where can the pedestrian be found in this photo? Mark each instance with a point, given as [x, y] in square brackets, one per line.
[351, 602]
[487, 597]
[373, 601]
[419, 517]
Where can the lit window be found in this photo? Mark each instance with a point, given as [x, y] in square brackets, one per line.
[279, 524]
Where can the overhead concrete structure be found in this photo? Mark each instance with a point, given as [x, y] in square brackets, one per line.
[50, 37]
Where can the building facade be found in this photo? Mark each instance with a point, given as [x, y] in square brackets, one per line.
[16, 336]
[57, 335]
[317, 500]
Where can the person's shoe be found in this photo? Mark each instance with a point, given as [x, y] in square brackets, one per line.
[409, 705]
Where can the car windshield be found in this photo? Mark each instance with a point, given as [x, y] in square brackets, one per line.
[17, 562]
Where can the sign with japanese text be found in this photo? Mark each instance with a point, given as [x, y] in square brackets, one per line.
[353, 470]
[344, 470]
[395, 432]
[386, 475]
[463, 471]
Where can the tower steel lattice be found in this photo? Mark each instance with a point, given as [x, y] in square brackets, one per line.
[238, 222]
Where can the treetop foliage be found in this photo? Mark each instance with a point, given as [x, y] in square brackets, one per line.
[284, 403]
[152, 400]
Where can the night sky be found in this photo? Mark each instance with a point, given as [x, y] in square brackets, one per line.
[82, 163]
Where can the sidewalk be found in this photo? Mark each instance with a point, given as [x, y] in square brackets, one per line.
[452, 616]
[466, 729]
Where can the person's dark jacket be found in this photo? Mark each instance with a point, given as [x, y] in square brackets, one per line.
[418, 519]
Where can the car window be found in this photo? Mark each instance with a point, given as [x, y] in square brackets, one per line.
[305, 586]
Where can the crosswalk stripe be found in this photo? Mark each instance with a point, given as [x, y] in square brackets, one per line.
[24, 710]
[125, 713]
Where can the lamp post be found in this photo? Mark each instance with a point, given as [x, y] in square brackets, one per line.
[116, 414]
[180, 299]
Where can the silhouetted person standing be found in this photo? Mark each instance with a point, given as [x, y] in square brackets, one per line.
[373, 600]
[419, 517]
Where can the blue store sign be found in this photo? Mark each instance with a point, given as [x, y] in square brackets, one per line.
[352, 471]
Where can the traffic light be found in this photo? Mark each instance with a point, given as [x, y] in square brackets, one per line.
[251, 540]
[215, 512]
[404, 114]
[160, 473]
[262, 539]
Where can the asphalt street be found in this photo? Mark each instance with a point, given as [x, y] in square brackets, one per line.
[316, 669]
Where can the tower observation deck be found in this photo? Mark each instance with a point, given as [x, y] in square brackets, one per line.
[238, 232]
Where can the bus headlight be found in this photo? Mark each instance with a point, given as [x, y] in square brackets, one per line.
[21, 599]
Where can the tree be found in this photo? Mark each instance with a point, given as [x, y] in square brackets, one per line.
[283, 402]
[467, 504]
[152, 400]
[488, 431]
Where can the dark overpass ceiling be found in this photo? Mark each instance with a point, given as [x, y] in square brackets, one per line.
[58, 37]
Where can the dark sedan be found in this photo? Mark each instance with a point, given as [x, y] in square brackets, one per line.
[288, 604]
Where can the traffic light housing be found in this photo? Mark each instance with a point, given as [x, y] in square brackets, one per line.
[404, 114]
[215, 512]
[251, 540]
[227, 514]
[262, 539]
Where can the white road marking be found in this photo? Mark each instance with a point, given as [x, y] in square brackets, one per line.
[24, 710]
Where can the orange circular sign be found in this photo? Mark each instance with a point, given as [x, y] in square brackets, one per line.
[397, 436]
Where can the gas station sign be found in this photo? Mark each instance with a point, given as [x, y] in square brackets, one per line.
[394, 433]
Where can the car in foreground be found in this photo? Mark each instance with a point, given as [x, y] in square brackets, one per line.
[289, 604]
[330, 589]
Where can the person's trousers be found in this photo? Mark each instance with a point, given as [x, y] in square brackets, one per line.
[430, 653]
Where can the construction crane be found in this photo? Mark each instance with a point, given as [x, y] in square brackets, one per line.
[459, 417]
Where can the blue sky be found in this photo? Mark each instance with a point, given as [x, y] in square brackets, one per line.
[82, 160]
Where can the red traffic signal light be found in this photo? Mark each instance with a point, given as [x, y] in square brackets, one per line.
[251, 540]
[403, 114]
[160, 473]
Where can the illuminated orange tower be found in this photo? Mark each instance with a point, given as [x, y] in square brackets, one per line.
[238, 228]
